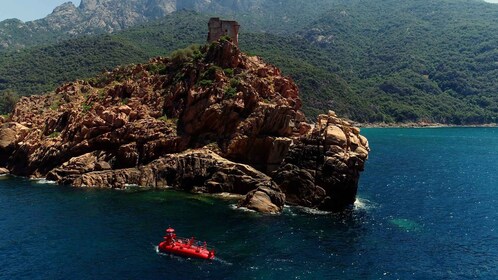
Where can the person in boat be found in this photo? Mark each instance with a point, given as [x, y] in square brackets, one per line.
[170, 237]
[191, 241]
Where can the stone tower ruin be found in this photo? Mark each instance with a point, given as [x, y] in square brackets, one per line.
[219, 28]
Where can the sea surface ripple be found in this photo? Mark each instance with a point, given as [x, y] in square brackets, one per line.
[426, 210]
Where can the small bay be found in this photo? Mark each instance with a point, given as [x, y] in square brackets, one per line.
[426, 210]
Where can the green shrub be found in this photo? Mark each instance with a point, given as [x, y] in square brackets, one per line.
[225, 38]
[230, 92]
[54, 134]
[8, 100]
[228, 72]
[198, 55]
[211, 72]
[97, 81]
[183, 55]
[156, 69]
[101, 94]
[205, 83]
[55, 105]
[87, 107]
[165, 119]
[234, 82]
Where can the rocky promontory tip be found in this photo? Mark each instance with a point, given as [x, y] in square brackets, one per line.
[208, 119]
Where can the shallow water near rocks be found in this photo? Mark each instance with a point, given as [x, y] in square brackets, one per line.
[427, 210]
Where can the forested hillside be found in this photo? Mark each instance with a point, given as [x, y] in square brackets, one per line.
[93, 17]
[413, 60]
[371, 61]
[41, 69]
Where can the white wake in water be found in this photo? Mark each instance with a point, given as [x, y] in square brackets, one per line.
[216, 259]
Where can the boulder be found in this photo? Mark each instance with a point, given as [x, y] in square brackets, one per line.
[265, 199]
[335, 136]
[8, 137]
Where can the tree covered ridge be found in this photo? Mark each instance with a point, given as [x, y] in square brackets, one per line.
[416, 60]
[371, 61]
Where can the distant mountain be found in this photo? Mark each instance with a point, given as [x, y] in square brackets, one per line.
[91, 17]
[107, 16]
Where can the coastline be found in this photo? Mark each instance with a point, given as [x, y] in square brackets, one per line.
[421, 125]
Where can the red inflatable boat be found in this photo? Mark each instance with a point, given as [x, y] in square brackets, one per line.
[184, 247]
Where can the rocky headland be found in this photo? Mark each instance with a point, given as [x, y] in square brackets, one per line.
[208, 119]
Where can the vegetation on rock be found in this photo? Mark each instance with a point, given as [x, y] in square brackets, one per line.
[8, 100]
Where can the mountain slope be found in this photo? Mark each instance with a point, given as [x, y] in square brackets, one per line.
[371, 61]
[40, 69]
[433, 60]
[107, 16]
[46, 67]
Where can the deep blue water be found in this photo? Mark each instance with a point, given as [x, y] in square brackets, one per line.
[428, 210]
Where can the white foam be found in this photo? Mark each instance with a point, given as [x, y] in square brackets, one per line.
[43, 181]
[360, 204]
[227, 195]
[313, 211]
[243, 209]
[363, 204]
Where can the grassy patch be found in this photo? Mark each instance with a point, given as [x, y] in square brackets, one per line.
[87, 107]
[230, 92]
[54, 134]
[205, 83]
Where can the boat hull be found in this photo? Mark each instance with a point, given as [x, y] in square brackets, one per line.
[186, 250]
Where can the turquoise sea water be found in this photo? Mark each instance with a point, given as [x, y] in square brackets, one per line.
[427, 210]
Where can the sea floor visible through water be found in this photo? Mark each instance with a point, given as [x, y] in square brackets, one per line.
[426, 210]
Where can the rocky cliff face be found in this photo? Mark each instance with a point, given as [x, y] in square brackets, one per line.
[104, 15]
[209, 119]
